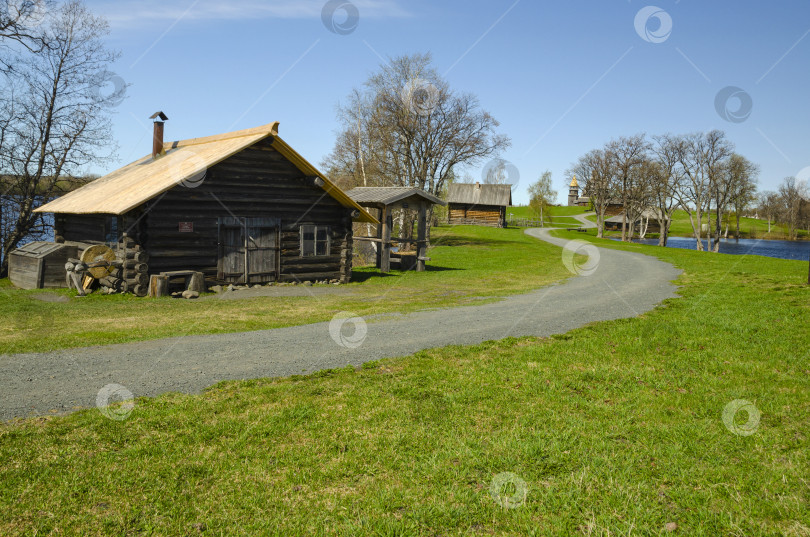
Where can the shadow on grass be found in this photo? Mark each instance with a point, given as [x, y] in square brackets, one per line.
[368, 274]
[453, 240]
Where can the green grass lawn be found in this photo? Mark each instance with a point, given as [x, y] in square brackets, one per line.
[556, 216]
[616, 428]
[468, 262]
[554, 211]
[749, 228]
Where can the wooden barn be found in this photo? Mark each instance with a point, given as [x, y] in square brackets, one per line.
[242, 207]
[647, 222]
[478, 204]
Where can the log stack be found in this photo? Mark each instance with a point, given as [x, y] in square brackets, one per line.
[129, 272]
[134, 271]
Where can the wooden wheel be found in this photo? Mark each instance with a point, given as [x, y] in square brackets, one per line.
[99, 254]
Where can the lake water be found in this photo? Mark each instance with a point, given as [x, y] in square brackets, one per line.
[780, 249]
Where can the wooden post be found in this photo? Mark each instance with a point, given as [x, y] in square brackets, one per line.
[123, 255]
[158, 286]
[245, 240]
[197, 282]
[421, 245]
[387, 224]
[75, 279]
[381, 218]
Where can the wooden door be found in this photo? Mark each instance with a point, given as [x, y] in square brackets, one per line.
[262, 247]
[232, 250]
[248, 250]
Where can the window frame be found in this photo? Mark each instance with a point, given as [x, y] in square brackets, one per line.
[316, 228]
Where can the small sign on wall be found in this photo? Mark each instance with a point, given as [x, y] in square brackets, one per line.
[185, 227]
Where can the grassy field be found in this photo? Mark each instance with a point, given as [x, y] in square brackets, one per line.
[554, 210]
[560, 215]
[617, 428]
[749, 228]
[468, 262]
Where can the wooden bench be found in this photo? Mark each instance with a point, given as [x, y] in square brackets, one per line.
[159, 283]
[580, 229]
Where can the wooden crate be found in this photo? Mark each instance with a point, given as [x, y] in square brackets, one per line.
[40, 265]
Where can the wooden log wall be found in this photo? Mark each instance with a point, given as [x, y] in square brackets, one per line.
[80, 227]
[257, 182]
[482, 215]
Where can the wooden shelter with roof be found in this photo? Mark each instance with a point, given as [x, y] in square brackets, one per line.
[241, 207]
[478, 204]
[384, 200]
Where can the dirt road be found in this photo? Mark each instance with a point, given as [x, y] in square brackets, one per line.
[62, 381]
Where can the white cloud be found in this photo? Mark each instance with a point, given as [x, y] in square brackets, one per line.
[131, 13]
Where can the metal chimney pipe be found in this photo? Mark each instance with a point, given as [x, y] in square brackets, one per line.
[157, 133]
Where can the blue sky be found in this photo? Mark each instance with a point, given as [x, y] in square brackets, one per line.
[561, 77]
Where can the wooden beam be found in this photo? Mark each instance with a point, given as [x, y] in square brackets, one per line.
[385, 258]
[381, 218]
[422, 245]
[393, 239]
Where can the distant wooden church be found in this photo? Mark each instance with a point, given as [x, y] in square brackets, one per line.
[613, 208]
[573, 195]
[478, 204]
[241, 207]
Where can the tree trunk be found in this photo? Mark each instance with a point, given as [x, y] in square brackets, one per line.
[664, 237]
[718, 229]
[600, 224]
[696, 230]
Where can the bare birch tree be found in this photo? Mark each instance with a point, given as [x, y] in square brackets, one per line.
[541, 195]
[701, 157]
[415, 128]
[792, 193]
[55, 121]
[665, 182]
[737, 177]
[19, 23]
[597, 172]
[768, 203]
[628, 153]
[744, 192]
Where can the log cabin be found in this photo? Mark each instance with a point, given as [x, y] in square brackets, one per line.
[478, 204]
[646, 222]
[241, 207]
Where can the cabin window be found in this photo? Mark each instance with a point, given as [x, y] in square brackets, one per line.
[314, 240]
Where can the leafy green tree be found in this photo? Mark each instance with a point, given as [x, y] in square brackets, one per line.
[541, 195]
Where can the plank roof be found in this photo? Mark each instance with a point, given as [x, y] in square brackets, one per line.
[388, 195]
[128, 187]
[480, 194]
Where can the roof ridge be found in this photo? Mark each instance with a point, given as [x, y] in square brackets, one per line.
[269, 129]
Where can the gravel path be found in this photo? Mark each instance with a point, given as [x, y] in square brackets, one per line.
[585, 222]
[61, 381]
